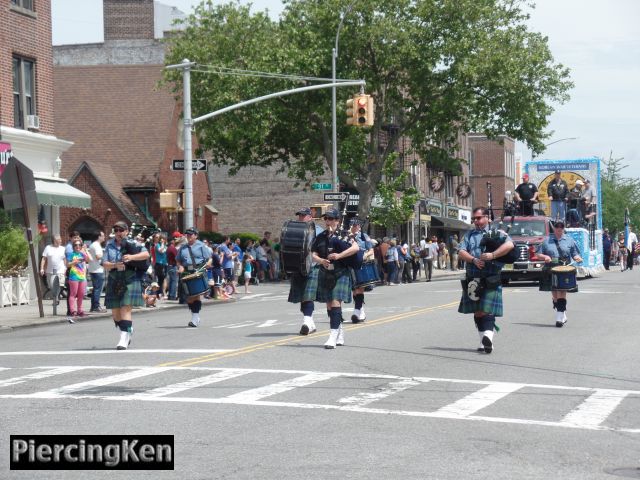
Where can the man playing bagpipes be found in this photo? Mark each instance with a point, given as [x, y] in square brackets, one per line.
[481, 250]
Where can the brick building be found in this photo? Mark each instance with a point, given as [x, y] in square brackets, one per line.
[125, 128]
[492, 161]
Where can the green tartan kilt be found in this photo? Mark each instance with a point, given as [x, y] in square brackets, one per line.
[132, 296]
[311, 288]
[490, 302]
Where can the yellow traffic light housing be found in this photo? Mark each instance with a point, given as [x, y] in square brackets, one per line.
[360, 111]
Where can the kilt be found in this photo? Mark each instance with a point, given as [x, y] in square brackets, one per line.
[490, 302]
[310, 289]
[132, 296]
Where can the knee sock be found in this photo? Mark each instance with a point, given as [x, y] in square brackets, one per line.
[306, 308]
[485, 323]
[562, 304]
[126, 326]
[359, 300]
[335, 317]
[195, 306]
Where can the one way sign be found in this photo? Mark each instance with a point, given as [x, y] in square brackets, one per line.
[197, 165]
[335, 197]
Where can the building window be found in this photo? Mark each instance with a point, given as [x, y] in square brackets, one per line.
[26, 4]
[23, 91]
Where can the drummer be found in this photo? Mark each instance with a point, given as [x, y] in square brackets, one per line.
[558, 248]
[298, 290]
[193, 256]
[366, 246]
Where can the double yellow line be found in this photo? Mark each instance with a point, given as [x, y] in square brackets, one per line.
[296, 338]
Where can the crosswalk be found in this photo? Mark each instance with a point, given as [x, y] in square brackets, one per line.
[586, 408]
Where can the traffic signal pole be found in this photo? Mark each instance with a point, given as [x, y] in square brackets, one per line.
[190, 122]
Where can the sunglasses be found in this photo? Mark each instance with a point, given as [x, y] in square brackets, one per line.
[330, 218]
[118, 229]
[478, 218]
[77, 244]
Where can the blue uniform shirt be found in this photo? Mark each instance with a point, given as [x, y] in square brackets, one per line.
[471, 244]
[565, 248]
[201, 255]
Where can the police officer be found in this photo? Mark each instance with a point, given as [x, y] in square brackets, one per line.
[526, 194]
[558, 191]
[482, 272]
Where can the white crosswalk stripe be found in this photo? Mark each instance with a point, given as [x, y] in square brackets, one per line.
[593, 413]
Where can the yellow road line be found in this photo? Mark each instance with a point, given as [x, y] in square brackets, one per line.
[262, 346]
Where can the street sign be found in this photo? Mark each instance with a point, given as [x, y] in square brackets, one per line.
[320, 186]
[197, 165]
[335, 197]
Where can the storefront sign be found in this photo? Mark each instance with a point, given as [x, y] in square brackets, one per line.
[434, 209]
[452, 213]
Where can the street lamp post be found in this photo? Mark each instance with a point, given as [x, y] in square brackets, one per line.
[533, 155]
[334, 140]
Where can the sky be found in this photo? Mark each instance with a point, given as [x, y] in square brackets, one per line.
[597, 40]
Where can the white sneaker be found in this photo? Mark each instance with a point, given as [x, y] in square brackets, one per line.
[355, 318]
[487, 341]
[125, 340]
[195, 320]
[561, 319]
[333, 337]
[362, 317]
[340, 338]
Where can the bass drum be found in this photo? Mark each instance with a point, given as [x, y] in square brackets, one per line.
[296, 239]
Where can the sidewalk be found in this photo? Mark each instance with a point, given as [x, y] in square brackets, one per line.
[21, 316]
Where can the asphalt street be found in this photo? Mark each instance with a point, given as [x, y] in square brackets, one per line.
[408, 396]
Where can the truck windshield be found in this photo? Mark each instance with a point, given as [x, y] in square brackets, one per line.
[523, 228]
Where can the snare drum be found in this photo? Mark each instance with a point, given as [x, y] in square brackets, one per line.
[564, 278]
[194, 284]
[366, 275]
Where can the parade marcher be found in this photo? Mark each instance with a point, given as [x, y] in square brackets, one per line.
[124, 281]
[191, 257]
[526, 195]
[330, 281]
[606, 248]
[77, 262]
[298, 292]
[560, 249]
[558, 192]
[54, 262]
[365, 245]
[622, 252]
[96, 271]
[482, 288]
[632, 241]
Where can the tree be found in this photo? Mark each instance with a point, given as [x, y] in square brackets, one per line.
[14, 249]
[619, 193]
[433, 67]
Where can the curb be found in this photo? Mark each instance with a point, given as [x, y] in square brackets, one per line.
[51, 320]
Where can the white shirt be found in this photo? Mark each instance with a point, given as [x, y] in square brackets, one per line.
[631, 239]
[95, 265]
[55, 259]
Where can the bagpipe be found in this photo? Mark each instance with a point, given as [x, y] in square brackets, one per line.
[496, 236]
[344, 234]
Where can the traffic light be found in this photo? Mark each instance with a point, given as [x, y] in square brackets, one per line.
[360, 111]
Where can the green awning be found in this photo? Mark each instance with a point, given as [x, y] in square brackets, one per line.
[60, 194]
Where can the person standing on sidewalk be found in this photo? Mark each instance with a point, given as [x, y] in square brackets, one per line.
[54, 262]
[160, 265]
[124, 282]
[96, 271]
[172, 268]
[77, 262]
[482, 288]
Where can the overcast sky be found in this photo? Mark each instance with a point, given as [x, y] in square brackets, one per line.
[596, 39]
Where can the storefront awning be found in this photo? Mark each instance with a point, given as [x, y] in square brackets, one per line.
[449, 223]
[60, 194]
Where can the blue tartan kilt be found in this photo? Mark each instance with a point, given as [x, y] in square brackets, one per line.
[490, 302]
[303, 289]
[132, 296]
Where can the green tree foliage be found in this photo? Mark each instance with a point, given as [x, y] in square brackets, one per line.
[14, 249]
[393, 209]
[619, 193]
[433, 67]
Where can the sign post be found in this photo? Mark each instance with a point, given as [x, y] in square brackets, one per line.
[17, 176]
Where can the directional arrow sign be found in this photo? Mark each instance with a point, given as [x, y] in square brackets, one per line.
[197, 165]
[335, 197]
